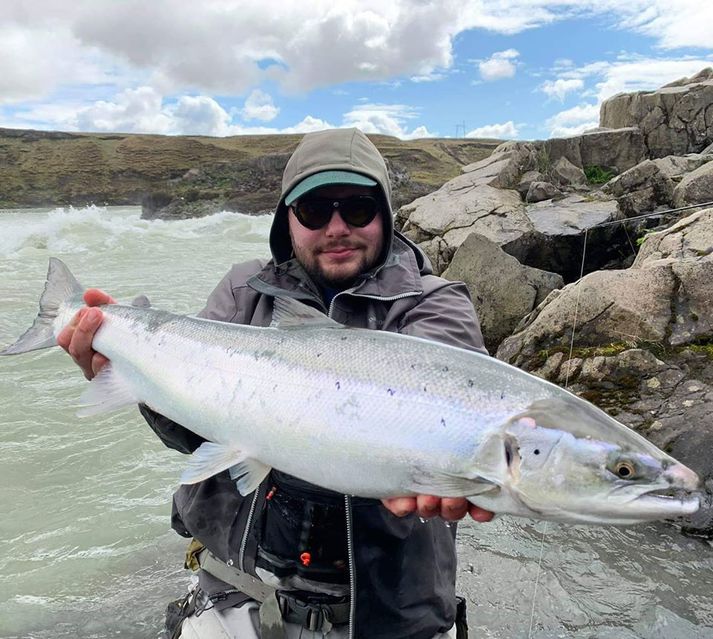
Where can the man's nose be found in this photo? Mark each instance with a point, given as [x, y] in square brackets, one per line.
[336, 225]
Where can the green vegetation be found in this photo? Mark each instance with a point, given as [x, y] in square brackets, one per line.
[543, 161]
[598, 174]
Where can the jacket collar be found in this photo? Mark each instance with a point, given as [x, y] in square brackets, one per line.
[399, 275]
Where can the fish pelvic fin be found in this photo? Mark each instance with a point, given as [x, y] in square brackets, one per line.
[61, 286]
[107, 392]
[210, 459]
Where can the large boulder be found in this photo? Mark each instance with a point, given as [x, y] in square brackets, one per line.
[615, 149]
[674, 120]
[641, 188]
[502, 301]
[696, 187]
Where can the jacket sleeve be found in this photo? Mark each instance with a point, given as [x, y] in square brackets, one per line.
[445, 314]
[221, 305]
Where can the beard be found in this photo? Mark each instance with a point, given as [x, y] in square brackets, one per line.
[335, 281]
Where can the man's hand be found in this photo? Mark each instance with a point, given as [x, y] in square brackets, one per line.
[427, 506]
[76, 338]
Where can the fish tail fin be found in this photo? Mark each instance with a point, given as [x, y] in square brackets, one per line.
[61, 286]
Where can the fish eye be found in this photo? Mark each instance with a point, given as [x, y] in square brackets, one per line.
[624, 469]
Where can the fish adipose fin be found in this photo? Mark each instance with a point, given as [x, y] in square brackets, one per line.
[210, 459]
[106, 392]
[289, 313]
[444, 485]
[60, 287]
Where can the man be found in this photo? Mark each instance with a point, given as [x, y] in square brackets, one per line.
[324, 564]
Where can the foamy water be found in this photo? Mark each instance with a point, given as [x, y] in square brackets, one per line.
[88, 549]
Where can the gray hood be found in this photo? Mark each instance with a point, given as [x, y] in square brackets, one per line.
[330, 150]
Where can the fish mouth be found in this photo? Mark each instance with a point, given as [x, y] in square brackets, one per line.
[678, 502]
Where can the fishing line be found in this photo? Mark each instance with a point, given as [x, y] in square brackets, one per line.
[571, 348]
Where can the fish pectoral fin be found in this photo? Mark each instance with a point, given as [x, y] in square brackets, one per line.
[210, 459]
[445, 485]
[290, 313]
[107, 392]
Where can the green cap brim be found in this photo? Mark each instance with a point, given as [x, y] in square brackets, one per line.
[327, 178]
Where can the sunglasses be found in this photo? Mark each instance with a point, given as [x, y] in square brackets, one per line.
[316, 212]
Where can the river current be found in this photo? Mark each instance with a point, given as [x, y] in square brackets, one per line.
[87, 549]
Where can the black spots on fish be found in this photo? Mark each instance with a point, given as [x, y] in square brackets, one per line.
[425, 388]
[502, 394]
[318, 355]
[536, 451]
[391, 391]
[444, 369]
[443, 422]
[337, 385]
[343, 338]
[471, 383]
[414, 367]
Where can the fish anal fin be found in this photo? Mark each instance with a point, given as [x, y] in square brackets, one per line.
[107, 392]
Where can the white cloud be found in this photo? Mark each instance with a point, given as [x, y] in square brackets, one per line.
[501, 64]
[133, 111]
[259, 106]
[506, 130]
[574, 121]
[560, 88]
[387, 119]
[199, 115]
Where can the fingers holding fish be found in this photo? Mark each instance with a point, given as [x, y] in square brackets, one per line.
[76, 338]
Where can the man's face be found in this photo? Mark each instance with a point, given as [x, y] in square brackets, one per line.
[337, 253]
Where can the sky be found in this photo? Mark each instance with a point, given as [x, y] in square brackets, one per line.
[508, 69]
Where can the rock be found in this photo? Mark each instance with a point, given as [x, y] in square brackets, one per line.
[463, 206]
[528, 178]
[689, 239]
[676, 166]
[696, 187]
[503, 301]
[674, 120]
[567, 174]
[641, 188]
[616, 149]
[631, 305]
[540, 191]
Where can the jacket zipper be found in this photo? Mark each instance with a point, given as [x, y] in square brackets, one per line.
[352, 564]
[246, 531]
[382, 298]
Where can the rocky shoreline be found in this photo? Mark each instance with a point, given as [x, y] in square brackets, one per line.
[582, 274]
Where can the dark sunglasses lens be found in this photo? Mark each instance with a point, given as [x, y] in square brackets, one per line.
[313, 214]
[358, 211]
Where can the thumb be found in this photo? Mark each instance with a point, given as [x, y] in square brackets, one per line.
[96, 297]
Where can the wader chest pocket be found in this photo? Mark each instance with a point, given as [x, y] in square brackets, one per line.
[304, 533]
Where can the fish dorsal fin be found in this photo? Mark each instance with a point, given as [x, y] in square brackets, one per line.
[289, 313]
[141, 301]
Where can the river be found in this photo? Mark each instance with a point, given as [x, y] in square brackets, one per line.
[85, 503]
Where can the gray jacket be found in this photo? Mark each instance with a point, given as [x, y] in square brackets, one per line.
[404, 569]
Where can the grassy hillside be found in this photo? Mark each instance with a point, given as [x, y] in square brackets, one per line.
[40, 168]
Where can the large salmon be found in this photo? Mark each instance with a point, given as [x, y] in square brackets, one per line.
[369, 413]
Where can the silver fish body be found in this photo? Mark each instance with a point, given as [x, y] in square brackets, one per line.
[371, 413]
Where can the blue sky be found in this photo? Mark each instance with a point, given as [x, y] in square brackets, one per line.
[523, 69]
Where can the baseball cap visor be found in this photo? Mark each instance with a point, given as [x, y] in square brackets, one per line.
[326, 178]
